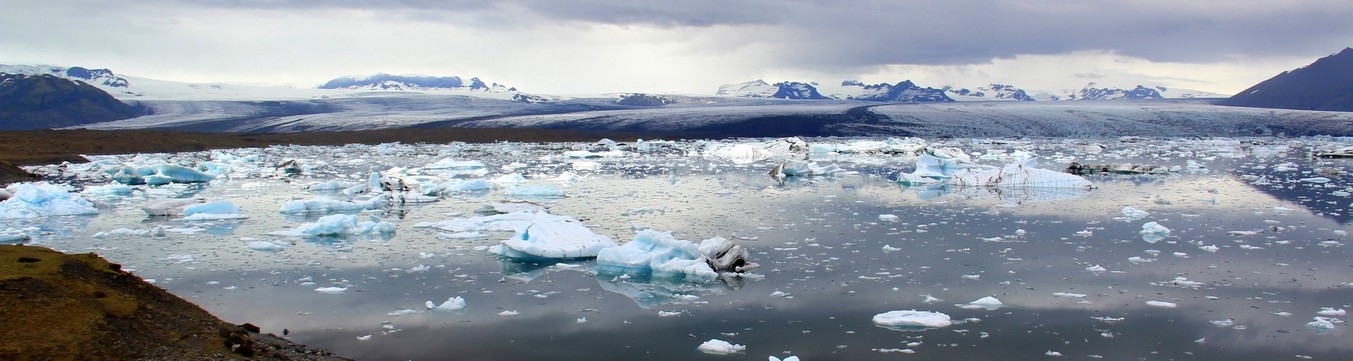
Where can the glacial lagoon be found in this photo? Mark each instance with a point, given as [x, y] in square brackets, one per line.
[1246, 258]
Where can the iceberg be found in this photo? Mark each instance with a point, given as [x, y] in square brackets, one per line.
[1153, 232]
[42, 199]
[549, 236]
[720, 347]
[912, 320]
[213, 207]
[340, 225]
[1024, 174]
[932, 169]
[659, 255]
[159, 174]
[453, 304]
[329, 205]
[985, 303]
[169, 207]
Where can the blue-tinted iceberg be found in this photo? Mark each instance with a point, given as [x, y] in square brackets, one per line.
[169, 207]
[340, 225]
[159, 174]
[659, 255]
[42, 199]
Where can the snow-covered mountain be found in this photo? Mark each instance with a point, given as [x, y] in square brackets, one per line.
[388, 82]
[102, 78]
[760, 89]
[644, 100]
[991, 91]
[902, 92]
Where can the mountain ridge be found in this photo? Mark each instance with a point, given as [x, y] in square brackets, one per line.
[1325, 84]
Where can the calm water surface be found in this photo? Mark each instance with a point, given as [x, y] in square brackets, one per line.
[1252, 257]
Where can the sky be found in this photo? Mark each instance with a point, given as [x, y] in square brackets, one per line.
[568, 47]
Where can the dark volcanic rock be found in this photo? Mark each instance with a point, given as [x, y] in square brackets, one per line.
[46, 101]
[1326, 84]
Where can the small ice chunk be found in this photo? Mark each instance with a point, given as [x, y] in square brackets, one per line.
[912, 319]
[331, 290]
[985, 303]
[1331, 311]
[1153, 232]
[720, 347]
[364, 338]
[1317, 180]
[888, 217]
[264, 246]
[1133, 214]
[790, 358]
[1069, 295]
[451, 305]
[1162, 304]
[1322, 324]
[508, 313]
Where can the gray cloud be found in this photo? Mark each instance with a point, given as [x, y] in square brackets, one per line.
[862, 33]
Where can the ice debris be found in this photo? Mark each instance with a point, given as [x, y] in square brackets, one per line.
[548, 236]
[720, 347]
[42, 199]
[912, 320]
[1119, 168]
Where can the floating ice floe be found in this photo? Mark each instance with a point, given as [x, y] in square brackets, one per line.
[931, 169]
[534, 192]
[264, 246]
[169, 207]
[659, 255]
[453, 164]
[720, 347]
[985, 303]
[159, 174]
[1162, 304]
[340, 225]
[330, 205]
[912, 320]
[1132, 214]
[453, 304]
[1331, 312]
[1019, 175]
[1153, 232]
[214, 210]
[332, 290]
[1323, 324]
[42, 199]
[547, 236]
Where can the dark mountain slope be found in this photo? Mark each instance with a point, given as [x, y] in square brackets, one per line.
[46, 101]
[1326, 84]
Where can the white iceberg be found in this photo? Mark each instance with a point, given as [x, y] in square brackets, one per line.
[42, 199]
[985, 303]
[912, 320]
[552, 237]
[339, 225]
[453, 304]
[1153, 232]
[169, 207]
[1019, 175]
[329, 205]
[720, 347]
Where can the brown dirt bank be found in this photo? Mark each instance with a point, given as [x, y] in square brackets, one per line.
[56, 306]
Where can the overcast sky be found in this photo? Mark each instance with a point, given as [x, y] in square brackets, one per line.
[685, 46]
